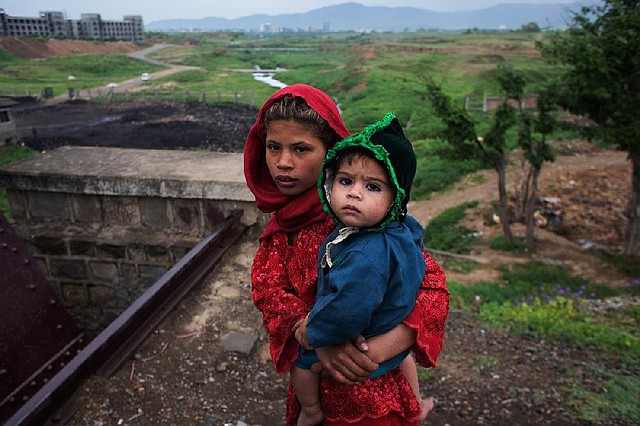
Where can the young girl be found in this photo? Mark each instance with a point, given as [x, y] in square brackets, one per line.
[284, 153]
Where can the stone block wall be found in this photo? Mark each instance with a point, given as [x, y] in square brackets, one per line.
[100, 250]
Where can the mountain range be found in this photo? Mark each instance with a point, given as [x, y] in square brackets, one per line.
[357, 17]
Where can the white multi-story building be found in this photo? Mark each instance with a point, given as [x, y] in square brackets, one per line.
[89, 26]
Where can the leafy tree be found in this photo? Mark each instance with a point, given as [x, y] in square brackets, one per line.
[460, 131]
[601, 52]
[532, 139]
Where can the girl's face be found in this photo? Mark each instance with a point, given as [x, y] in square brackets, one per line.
[294, 155]
[361, 194]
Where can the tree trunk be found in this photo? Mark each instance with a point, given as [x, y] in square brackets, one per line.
[521, 191]
[503, 206]
[532, 192]
[632, 237]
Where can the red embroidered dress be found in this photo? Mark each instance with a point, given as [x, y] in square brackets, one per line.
[284, 276]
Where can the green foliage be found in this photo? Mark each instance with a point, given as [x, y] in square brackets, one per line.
[534, 276]
[618, 400]
[459, 129]
[464, 138]
[437, 174]
[500, 243]
[460, 265]
[424, 374]
[444, 233]
[467, 297]
[6, 57]
[630, 265]
[9, 154]
[476, 178]
[90, 71]
[599, 54]
[562, 320]
[191, 77]
[524, 282]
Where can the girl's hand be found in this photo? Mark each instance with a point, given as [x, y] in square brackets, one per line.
[345, 363]
[301, 333]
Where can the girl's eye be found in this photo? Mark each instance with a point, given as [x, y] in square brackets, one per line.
[344, 181]
[301, 149]
[374, 187]
[273, 147]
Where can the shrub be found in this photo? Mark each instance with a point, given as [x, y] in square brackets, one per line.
[444, 233]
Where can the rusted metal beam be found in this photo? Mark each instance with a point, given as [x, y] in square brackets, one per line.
[106, 353]
[37, 334]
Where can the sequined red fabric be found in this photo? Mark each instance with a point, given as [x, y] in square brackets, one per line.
[284, 288]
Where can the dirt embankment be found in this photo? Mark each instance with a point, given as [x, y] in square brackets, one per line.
[37, 49]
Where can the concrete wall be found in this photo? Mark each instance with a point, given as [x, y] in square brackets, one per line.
[106, 223]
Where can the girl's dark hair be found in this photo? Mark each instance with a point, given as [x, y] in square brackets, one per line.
[294, 108]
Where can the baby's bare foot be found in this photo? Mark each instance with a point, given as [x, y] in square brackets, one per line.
[311, 415]
[427, 405]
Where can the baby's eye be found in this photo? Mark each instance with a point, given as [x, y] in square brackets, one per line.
[344, 181]
[374, 187]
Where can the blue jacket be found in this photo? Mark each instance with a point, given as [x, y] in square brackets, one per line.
[372, 285]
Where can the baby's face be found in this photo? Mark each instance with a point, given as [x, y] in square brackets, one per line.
[361, 194]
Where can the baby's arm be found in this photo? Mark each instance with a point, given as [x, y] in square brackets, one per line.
[385, 346]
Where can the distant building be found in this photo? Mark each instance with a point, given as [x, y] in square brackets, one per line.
[89, 26]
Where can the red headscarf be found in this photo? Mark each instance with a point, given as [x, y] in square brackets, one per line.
[291, 213]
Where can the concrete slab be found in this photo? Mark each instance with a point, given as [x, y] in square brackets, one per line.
[131, 172]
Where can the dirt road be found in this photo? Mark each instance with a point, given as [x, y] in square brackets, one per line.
[130, 84]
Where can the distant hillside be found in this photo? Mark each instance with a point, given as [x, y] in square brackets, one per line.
[356, 17]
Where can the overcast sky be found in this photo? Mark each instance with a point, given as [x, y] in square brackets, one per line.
[154, 10]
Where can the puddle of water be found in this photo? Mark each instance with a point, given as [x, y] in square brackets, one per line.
[267, 78]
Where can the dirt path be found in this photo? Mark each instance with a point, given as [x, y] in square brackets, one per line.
[133, 83]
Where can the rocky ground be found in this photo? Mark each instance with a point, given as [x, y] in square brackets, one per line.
[208, 364]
